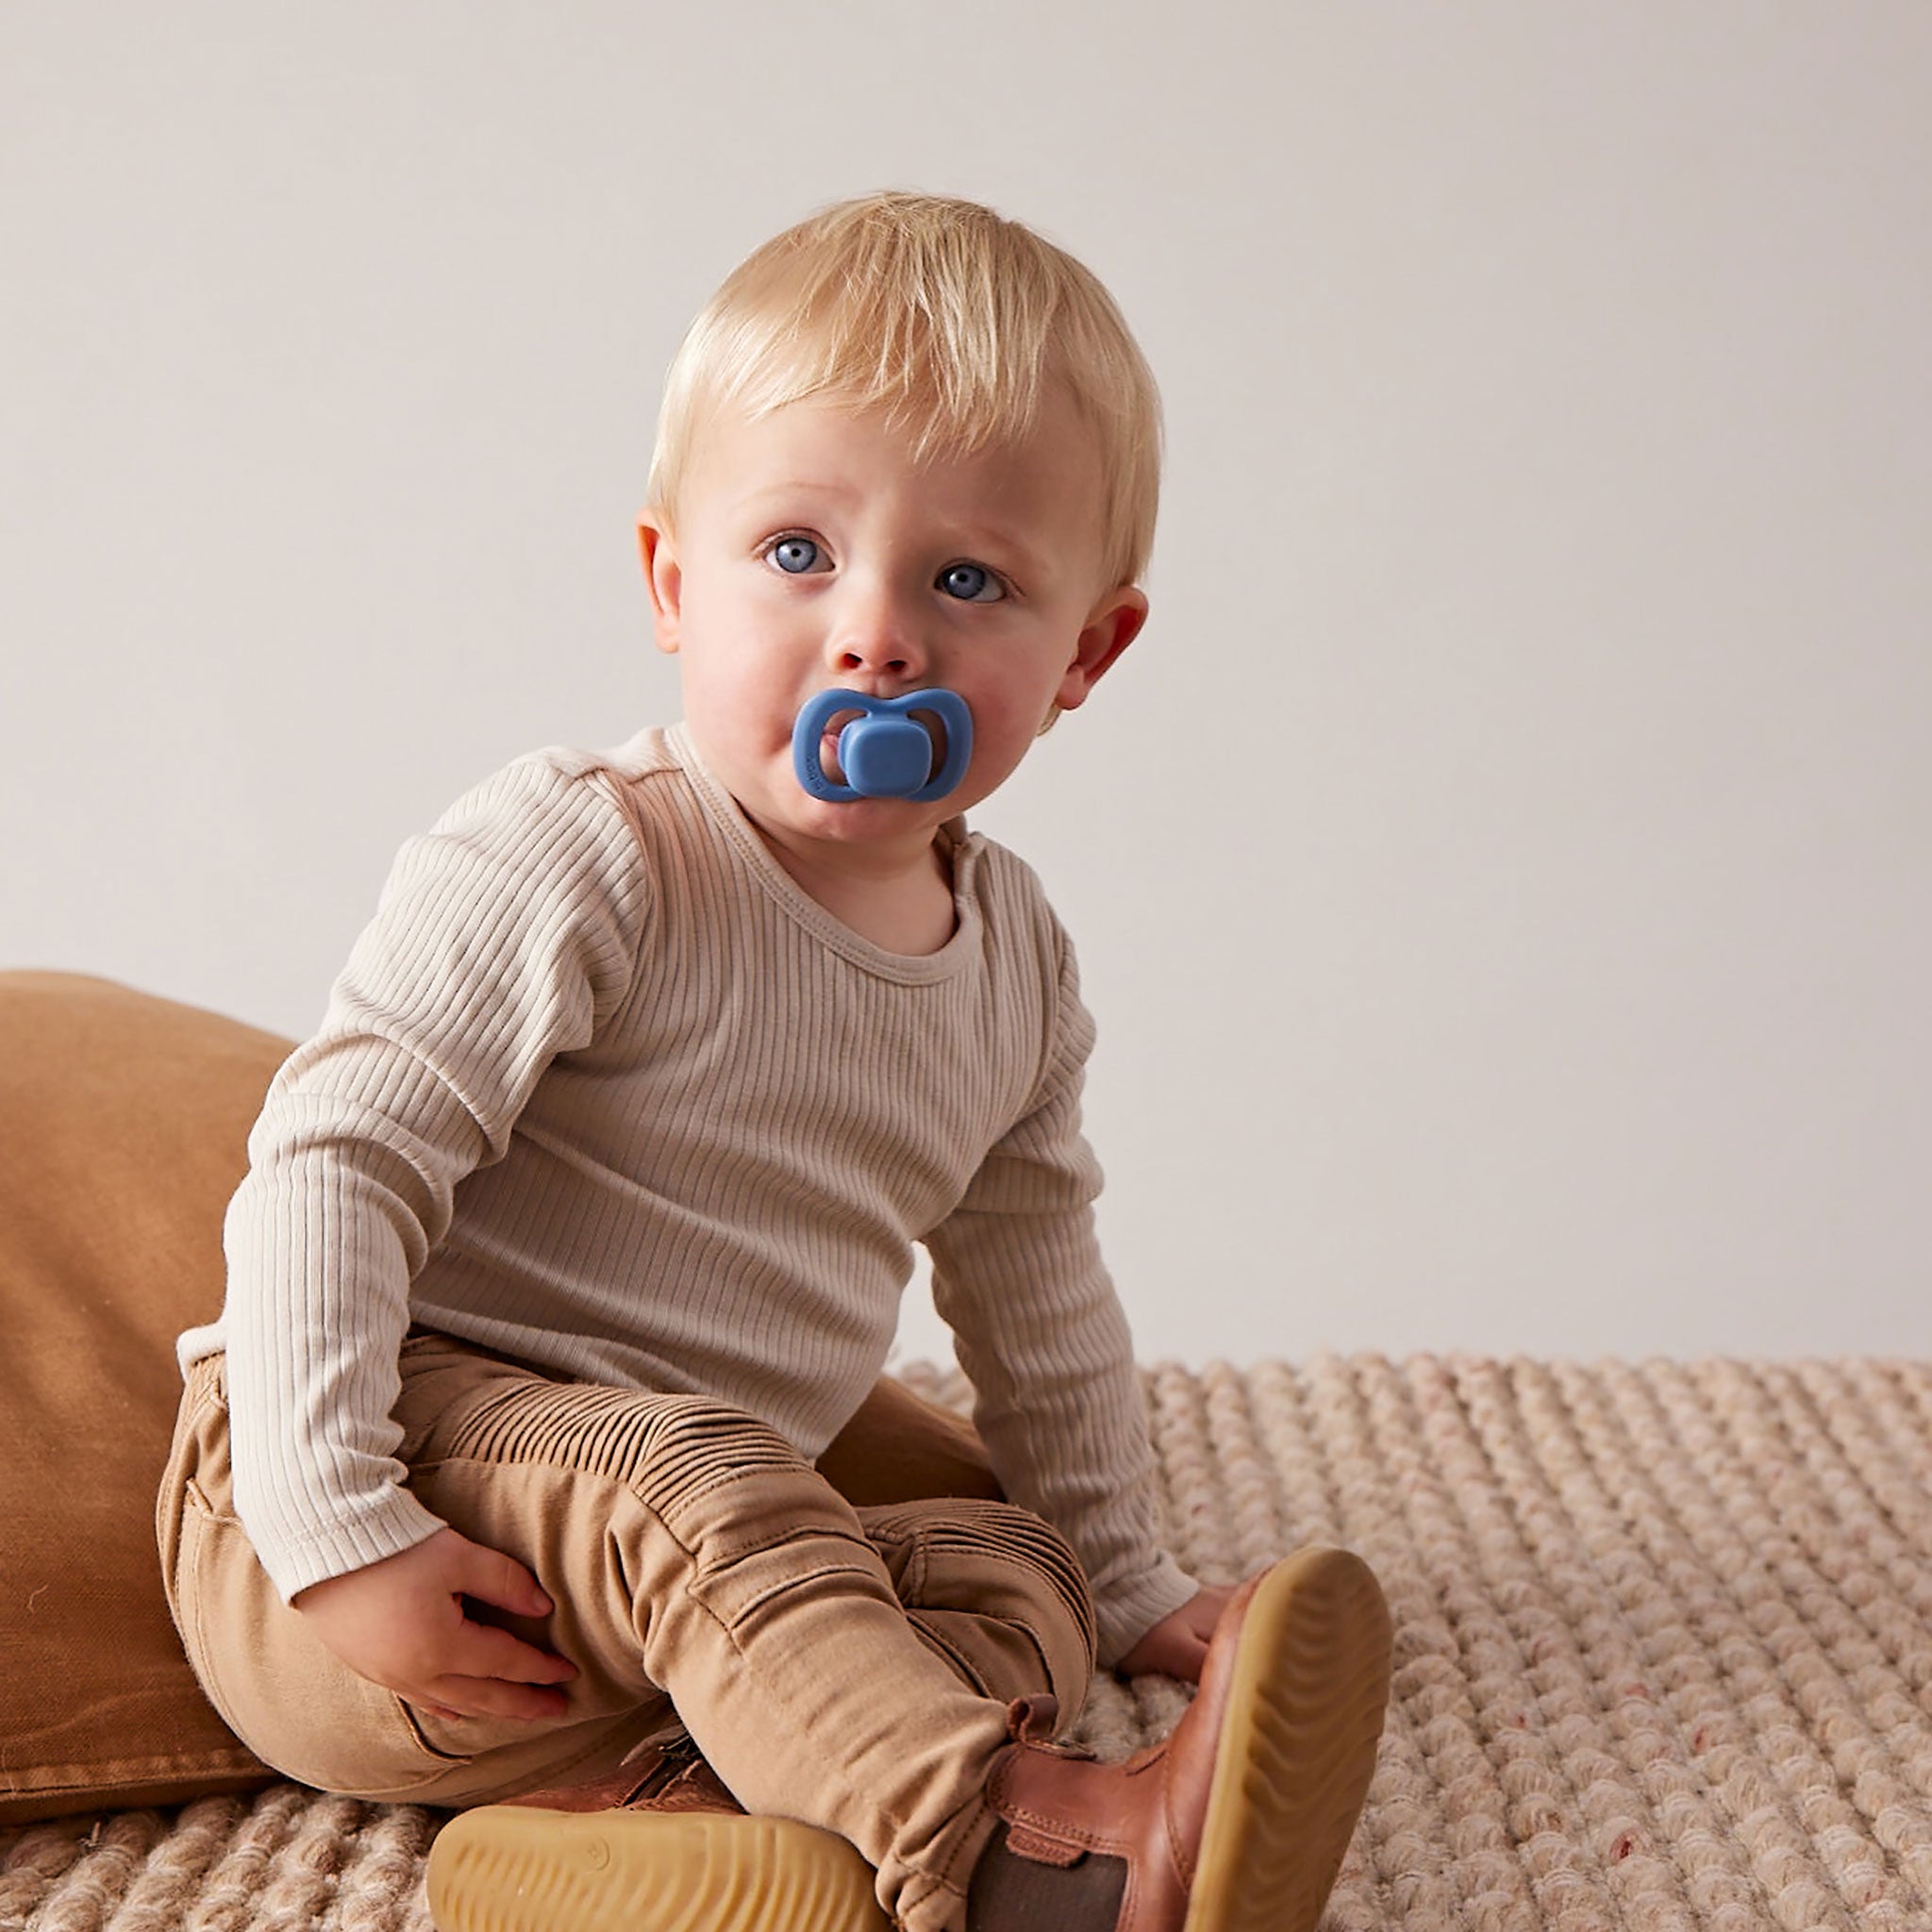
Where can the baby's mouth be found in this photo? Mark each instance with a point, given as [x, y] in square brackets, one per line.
[828, 746]
[928, 721]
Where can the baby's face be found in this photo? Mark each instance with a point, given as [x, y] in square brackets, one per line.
[812, 552]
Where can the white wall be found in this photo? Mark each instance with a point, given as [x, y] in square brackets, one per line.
[1501, 873]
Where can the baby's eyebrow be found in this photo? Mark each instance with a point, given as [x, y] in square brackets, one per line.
[795, 487]
[1008, 542]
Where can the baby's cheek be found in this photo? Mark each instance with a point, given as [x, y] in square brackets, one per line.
[1010, 734]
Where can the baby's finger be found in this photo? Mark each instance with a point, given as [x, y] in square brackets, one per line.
[492, 1577]
[499, 1698]
[488, 1651]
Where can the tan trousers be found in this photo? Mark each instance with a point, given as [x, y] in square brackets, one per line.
[848, 1667]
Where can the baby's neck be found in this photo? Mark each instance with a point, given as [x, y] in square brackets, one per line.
[904, 909]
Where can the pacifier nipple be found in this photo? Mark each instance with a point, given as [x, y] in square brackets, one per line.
[884, 750]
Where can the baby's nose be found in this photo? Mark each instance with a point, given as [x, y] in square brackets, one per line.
[881, 643]
[879, 632]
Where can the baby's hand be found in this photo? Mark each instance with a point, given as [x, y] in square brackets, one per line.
[401, 1624]
[1177, 1645]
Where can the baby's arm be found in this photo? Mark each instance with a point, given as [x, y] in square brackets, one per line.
[1018, 1276]
[501, 937]
[1042, 1338]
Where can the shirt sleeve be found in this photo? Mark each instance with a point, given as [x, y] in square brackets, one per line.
[501, 937]
[1018, 1276]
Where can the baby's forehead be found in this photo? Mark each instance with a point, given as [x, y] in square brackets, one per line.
[829, 451]
[921, 432]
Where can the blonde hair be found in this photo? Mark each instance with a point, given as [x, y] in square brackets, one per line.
[948, 317]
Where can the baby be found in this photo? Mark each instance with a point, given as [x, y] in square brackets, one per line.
[579, 1229]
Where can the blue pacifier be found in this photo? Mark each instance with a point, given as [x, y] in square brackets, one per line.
[885, 752]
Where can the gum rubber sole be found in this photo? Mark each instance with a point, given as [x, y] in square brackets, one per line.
[1307, 1693]
[516, 1869]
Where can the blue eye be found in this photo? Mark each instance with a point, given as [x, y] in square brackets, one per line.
[796, 555]
[971, 583]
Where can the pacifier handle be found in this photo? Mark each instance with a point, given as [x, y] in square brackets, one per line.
[899, 761]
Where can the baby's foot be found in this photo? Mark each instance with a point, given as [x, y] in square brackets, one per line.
[663, 1844]
[1237, 1822]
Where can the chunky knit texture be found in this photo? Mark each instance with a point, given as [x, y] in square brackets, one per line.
[603, 1089]
[1664, 1643]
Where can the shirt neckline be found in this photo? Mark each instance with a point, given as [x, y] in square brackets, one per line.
[908, 967]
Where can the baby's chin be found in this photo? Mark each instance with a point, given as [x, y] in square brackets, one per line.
[789, 811]
[868, 821]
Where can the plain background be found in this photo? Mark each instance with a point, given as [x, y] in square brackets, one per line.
[1501, 871]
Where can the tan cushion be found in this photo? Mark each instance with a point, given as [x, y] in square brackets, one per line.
[123, 1124]
[124, 1121]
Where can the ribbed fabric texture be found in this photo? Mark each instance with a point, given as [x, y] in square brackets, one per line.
[602, 1088]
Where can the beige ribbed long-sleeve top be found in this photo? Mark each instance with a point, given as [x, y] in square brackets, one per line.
[600, 1088]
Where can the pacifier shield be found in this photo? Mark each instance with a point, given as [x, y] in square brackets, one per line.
[884, 752]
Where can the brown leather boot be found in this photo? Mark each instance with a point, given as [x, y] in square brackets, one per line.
[666, 1772]
[1236, 1823]
[660, 1842]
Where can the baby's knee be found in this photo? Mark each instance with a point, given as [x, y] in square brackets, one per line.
[686, 1446]
[736, 1496]
[998, 1586]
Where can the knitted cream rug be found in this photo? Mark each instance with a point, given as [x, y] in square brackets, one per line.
[1663, 1659]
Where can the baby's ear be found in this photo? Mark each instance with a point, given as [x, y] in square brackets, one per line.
[662, 577]
[1113, 624]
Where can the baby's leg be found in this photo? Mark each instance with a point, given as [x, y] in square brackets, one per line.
[671, 1533]
[849, 1671]
[1237, 1822]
